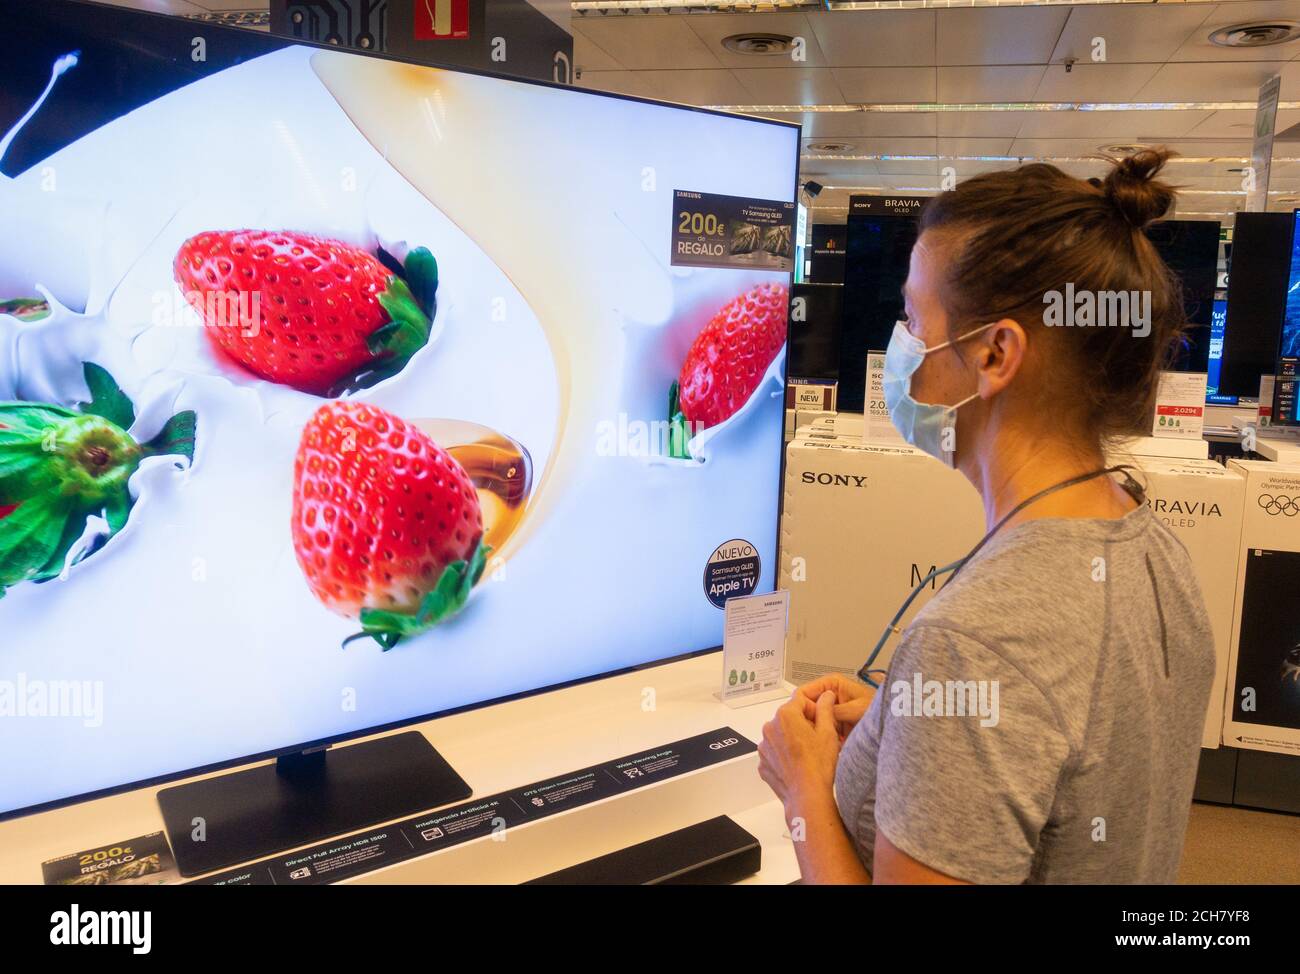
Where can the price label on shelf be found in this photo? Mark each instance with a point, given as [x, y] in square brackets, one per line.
[1180, 406]
[753, 647]
[878, 428]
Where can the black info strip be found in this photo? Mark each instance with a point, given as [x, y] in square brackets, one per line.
[361, 852]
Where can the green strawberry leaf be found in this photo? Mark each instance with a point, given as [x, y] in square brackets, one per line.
[22, 419]
[26, 309]
[412, 325]
[679, 432]
[106, 398]
[444, 600]
[176, 437]
[116, 511]
[421, 272]
[34, 538]
[391, 344]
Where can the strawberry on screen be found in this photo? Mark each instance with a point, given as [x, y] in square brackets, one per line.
[386, 524]
[60, 466]
[329, 317]
[727, 360]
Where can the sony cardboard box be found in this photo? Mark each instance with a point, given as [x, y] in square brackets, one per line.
[1202, 502]
[1263, 705]
[833, 425]
[863, 523]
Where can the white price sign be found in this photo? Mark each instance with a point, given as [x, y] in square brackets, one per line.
[878, 428]
[1180, 406]
[753, 646]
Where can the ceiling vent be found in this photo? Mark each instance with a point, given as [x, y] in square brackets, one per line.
[1261, 34]
[1122, 148]
[762, 44]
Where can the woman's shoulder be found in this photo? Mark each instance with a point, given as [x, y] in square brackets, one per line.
[1044, 592]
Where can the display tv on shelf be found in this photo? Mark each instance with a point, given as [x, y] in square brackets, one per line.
[1190, 249]
[1289, 345]
[1257, 292]
[299, 345]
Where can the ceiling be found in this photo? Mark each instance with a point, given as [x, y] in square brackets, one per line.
[975, 55]
[1154, 52]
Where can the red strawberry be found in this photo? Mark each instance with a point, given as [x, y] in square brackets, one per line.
[729, 356]
[328, 317]
[386, 524]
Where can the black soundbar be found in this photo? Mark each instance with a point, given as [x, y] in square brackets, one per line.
[712, 853]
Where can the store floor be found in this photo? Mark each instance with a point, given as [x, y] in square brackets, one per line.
[1240, 845]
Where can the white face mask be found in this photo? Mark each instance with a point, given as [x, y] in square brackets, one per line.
[921, 424]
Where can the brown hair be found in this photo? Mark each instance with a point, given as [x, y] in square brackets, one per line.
[1009, 238]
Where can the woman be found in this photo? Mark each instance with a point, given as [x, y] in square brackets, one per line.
[1078, 620]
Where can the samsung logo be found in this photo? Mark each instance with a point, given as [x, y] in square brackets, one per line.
[833, 479]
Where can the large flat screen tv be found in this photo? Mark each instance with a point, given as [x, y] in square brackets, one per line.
[878, 251]
[1190, 249]
[1289, 345]
[1257, 294]
[299, 344]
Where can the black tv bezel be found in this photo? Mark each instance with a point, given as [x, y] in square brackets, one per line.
[279, 42]
[1293, 276]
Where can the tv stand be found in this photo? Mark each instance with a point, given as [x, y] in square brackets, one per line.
[304, 797]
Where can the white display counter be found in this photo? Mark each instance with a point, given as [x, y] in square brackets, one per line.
[512, 744]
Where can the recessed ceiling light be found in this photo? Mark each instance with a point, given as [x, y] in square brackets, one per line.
[1257, 34]
[1123, 148]
[830, 148]
[760, 43]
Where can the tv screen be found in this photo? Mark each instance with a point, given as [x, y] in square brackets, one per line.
[878, 250]
[299, 345]
[815, 331]
[1257, 293]
[1190, 248]
[1289, 347]
[1218, 324]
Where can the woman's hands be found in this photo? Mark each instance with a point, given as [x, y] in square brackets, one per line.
[797, 758]
[851, 699]
[798, 752]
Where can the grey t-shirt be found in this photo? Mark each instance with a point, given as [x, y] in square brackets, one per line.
[1083, 656]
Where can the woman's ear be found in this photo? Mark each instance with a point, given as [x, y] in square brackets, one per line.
[1002, 356]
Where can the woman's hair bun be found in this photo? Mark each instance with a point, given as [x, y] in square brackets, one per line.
[1131, 187]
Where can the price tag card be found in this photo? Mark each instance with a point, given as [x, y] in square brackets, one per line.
[1180, 406]
[879, 428]
[753, 647]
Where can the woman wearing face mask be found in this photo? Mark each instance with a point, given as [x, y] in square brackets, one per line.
[1078, 617]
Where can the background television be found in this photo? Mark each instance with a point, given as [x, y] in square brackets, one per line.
[1258, 270]
[1289, 343]
[875, 268]
[1190, 248]
[195, 619]
[1218, 323]
[1288, 360]
[815, 341]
